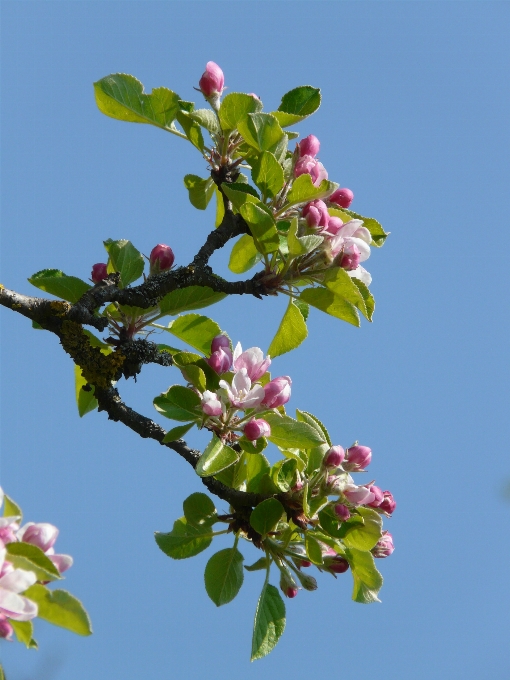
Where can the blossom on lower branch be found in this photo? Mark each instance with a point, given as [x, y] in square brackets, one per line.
[13, 605]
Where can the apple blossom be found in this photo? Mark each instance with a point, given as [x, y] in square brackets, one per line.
[378, 496]
[220, 341]
[334, 457]
[257, 428]
[348, 233]
[342, 197]
[277, 392]
[361, 274]
[99, 272]
[384, 546]
[309, 146]
[221, 360]
[241, 393]
[357, 458]
[43, 535]
[211, 405]
[307, 165]
[212, 81]
[161, 259]
[350, 257]
[358, 495]
[6, 630]
[388, 503]
[15, 581]
[252, 360]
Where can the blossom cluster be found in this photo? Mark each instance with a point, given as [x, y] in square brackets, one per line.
[243, 389]
[14, 581]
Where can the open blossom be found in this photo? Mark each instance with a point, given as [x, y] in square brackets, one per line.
[241, 393]
[346, 234]
[307, 165]
[252, 360]
[358, 495]
[212, 80]
[12, 583]
[211, 404]
[277, 392]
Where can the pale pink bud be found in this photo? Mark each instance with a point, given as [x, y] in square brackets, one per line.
[384, 546]
[357, 458]
[342, 512]
[358, 495]
[212, 80]
[334, 457]
[99, 272]
[351, 257]
[161, 259]
[342, 197]
[221, 360]
[309, 146]
[388, 504]
[42, 535]
[277, 392]
[316, 213]
[307, 165]
[218, 342]
[62, 562]
[378, 496]
[257, 428]
[6, 630]
[211, 405]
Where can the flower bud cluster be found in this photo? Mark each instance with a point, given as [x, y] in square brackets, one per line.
[14, 581]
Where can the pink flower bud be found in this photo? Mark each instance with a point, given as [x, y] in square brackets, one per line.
[357, 458]
[351, 257]
[221, 360]
[342, 512]
[316, 214]
[337, 565]
[287, 583]
[212, 80]
[99, 272]
[334, 457]
[307, 165]
[218, 342]
[62, 562]
[378, 496]
[388, 504]
[342, 197]
[257, 428]
[358, 495]
[6, 630]
[291, 591]
[277, 392]
[303, 563]
[42, 535]
[161, 259]
[309, 146]
[384, 546]
[211, 405]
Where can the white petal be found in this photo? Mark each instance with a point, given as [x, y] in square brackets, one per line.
[361, 274]
[238, 351]
[18, 580]
[350, 227]
[17, 607]
[363, 248]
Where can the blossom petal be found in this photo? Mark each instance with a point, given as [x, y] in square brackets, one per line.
[16, 606]
[18, 580]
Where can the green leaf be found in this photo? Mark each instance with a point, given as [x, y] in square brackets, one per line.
[57, 283]
[260, 130]
[328, 302]
[191, 129]
[305, 417]
[338, 280]
[122, 97]
[200, 190]
[196, 330]
[267, 174]
[30, 557]
[266, 515]
[199, 509]
[301, 457]
[303, 308]
[179, 403]
[236, 106]
[224, 575]
[269, 622]
[289, 433]
[60, 608]
[185, 540]
[367, 580]
[291, 332]
[283, 474]
[11, 509]
[262, 227]
[207, 119]
[220, 207]
[379, 236]
[301, 245]
[297, 105]
[363, 535]
[125, 259]
[260, 564]
[257, 466]
[85, 399]
[215, 458]
[313, 549]
[244, 255]
[368, 298]
[23, 631]
[186, 299]
[240, 194]
[303, 190]
[177, 433]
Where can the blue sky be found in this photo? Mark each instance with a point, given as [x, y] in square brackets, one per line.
[414, 120]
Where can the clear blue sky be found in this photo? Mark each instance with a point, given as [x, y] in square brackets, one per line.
[415, 121]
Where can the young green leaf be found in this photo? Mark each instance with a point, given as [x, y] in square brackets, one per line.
[186, 299]
[252, 447]
[125, 259]
[342, 285]
[312, 420]
[11, 509]
[297, 105]
[262, 227]
[85, 399]
[60, 608]
[215, 458]
[177, 433]
[244, 255]
[260, 130]
[191, 129]
[301, 245]
[267, 174]
[367, 580]
[257, 465]
[224, 575]
[283, 474]
[328, 302]
[197, 330]
[23, 631]
[368, 298]
[57, 283]
[122, 97]
[379, 236]
[199, 509]
[291, 332]
[240, 193]
[266, 515]
[200, 190]
[269, 622]
[207, 119]
[303, 190]
[313, 549]
[179, 403]
[236, 106]
[185, 540]
[261, 563]
[31, 558]
[289, 433]
[220, 207]
[365, 535]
